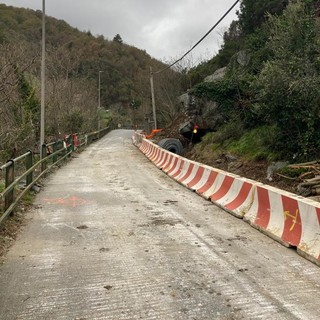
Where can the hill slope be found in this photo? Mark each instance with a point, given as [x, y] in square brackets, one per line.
[271, 81]
[73, 62]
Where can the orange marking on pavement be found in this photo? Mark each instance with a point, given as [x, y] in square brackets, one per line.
[71, 201]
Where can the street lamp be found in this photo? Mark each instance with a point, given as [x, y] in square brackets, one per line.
[153, 101]
[42, 80]
[99, 99]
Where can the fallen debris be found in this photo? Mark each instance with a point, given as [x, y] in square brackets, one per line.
[311, 186]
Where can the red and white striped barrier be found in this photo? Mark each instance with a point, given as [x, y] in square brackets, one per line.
[161, 157]
[290, 219]
[171, 165]
[286, 217]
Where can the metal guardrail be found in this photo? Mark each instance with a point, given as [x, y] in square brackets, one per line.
[54, 153]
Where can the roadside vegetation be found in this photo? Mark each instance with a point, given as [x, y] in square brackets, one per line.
[269, 105]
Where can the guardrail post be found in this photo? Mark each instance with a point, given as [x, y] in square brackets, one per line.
[44, 155]
[29, 164]
[69, 143]
[64, 146]
[54, 150]
[9, 179]
[72, 143]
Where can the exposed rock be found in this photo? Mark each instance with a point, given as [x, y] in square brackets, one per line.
[274, 167]
[230, 158]
[234, 166]
[184, 99]
[243, 58]
[305, 192]
[203, 112]
[218, 75]
[36, 188]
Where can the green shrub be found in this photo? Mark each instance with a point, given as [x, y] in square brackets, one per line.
[288, 86]
[256, 144]
[230, 131]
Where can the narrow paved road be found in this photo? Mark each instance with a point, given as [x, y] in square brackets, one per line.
[112, 237]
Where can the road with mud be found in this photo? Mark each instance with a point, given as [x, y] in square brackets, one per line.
[112, 237]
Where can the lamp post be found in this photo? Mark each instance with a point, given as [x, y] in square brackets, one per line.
[42, 80]
[99, 99]
[153, 100]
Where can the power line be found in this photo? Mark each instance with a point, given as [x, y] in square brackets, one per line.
[171, 65]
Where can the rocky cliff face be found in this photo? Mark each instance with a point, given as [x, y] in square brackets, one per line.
[201, 112]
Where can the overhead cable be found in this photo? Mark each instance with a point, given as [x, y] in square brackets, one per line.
[171, 65]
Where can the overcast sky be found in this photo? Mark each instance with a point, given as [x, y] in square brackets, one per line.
[166, 29]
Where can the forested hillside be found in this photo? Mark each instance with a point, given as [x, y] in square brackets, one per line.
[268, 102]
[73, 62]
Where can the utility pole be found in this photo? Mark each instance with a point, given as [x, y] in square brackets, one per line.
[153, 101]
[42, 79]
[99, 99]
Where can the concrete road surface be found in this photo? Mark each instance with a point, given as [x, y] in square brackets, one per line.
[112, 237]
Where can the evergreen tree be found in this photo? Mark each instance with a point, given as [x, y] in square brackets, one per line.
[117, 38]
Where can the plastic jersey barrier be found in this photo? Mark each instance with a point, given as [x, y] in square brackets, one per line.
[290, 219]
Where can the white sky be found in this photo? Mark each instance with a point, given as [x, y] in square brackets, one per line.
[166, 29]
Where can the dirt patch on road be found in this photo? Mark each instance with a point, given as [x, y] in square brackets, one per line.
[163, 222]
